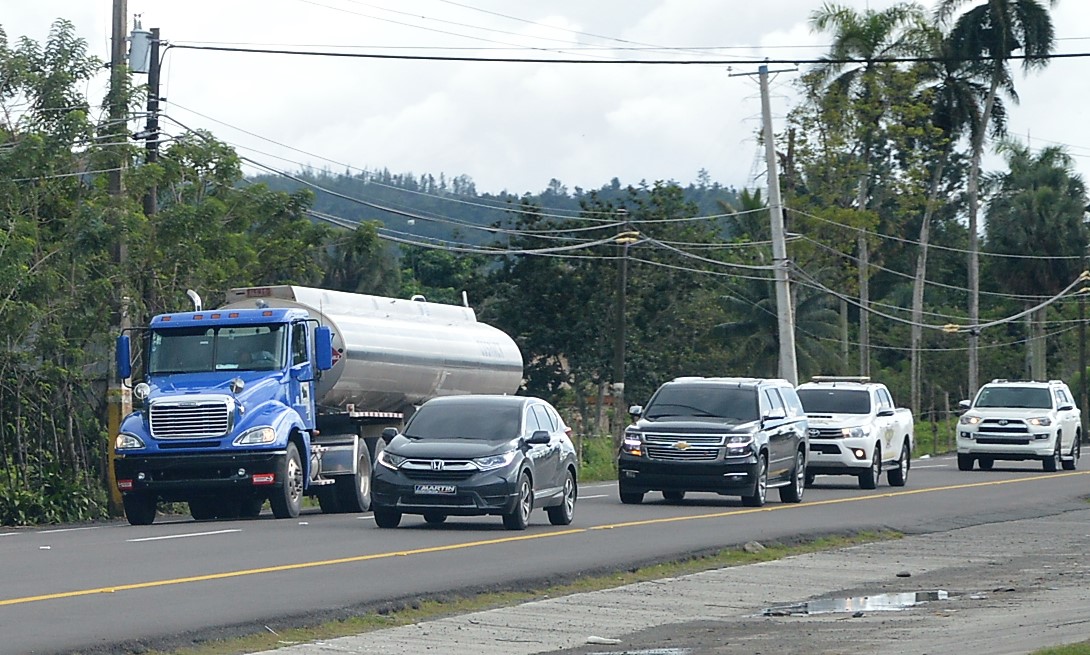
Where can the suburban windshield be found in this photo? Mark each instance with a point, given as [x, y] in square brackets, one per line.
[1022, 397]
[465, 421]
[203, 349]
[835, 401]
[703, 400]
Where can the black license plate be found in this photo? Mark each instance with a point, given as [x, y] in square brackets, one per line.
[435, 489]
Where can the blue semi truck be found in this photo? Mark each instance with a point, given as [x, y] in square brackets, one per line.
[283, 392]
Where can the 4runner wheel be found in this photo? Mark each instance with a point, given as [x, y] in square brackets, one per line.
[140, 508]
[1076, 450]
[898, 475]
[387, 518]
[673, 496]
[563, 513]
[288, 499]
[1052, 463]
[760, 485]
[792, 493]
[869, 480]
[519, 517]
[965, 462]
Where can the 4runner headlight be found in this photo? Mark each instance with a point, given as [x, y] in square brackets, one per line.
[255, 437]
[493, 462]
[126, 441]
[390, 460]
[1041, 421]
[969, 420]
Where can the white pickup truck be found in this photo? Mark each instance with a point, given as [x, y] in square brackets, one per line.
[855, 429]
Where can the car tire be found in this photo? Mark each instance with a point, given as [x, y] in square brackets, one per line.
[228, 507]
[792, 493]
[898, 475]
[202, 509]
[387, 518]
[251, 507]
[434, 518]
[869, 479]
[760, 485]
[563, 513]
[328, 500]
[287, 501]
[140, 508]
[986, 463]
[519, 516]
[354, 491]
[631, 497]
[673, 496]
[1076, 450]
[965, 462]
[810, 477]
[1052, 463]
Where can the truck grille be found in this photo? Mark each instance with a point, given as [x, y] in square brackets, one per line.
[826, 433]
[1010, 428]
[683, 447]
[189, 420]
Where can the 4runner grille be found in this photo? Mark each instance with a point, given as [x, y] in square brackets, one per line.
[683, 447]
[1003, 427]
[190, 419]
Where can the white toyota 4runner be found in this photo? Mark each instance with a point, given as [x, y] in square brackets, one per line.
[1020, 420]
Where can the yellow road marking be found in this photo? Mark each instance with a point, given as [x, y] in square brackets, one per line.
[504, 540]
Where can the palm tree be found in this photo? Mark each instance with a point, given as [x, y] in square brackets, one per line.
[993, 30]
[868, 37]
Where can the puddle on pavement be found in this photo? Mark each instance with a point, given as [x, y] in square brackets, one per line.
[876, 603]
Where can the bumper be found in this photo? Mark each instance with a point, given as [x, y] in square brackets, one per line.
[732, 477]
[489, 492]
[1028, 446]
[839, 456]
[179, 477]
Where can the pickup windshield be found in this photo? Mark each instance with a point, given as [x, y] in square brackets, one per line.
[701, 401]
[835, 401]
[199, 350]
[1021, 397]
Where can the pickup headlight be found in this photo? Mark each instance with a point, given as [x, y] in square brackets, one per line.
[493, 462]
[1041, 421]
[632, 444]
[126, 441]
[857, 431]
[969, 420]
[256, 437]
[390, 460]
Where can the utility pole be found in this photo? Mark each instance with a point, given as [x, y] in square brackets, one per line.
[785, 313]
[151, 129]
[624, 239]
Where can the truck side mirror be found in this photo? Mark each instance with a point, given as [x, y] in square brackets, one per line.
[323, 348]
[123, 354]
[635, 411]
[964, 405]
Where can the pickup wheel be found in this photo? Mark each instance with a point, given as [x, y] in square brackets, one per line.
[898, 475]
[1052, 463]
[869, 480]
[760, 485]
[1076, 450]
[792, 493]
[986, 463]
[965, 462]
[810, 477]
[288, 499]
[140, 508]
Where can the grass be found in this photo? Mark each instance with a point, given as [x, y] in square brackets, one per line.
[1081, 648]
[428, 609]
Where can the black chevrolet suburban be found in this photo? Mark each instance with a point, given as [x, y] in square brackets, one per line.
[730, 436]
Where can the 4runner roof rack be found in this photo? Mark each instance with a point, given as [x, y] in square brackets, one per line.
[840, 378]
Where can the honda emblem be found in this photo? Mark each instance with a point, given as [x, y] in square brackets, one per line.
[437, 465]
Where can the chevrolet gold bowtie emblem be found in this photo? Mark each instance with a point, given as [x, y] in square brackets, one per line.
[682, 445]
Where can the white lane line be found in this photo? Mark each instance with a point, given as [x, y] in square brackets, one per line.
[589, 497]
[182, 536]
[9, 534]
[93, 527]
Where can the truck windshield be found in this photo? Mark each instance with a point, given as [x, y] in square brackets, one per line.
[218, 348]
[1027, 397]
[703, 400]
[465, 421]
[835, 401]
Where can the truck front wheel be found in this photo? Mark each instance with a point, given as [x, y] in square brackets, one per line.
[140, 508]
[288, 499]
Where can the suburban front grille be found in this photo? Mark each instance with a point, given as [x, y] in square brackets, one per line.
[683, 447]
[189, 420]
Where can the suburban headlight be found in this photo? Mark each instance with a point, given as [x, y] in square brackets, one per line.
[390, 460]
[739, 441]
[256, 436]
[1042, 421]
[495, 461]
[856, 432]
[632, 444]
[126, 441]
[969, 420]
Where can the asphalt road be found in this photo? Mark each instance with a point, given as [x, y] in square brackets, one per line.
[115, 587]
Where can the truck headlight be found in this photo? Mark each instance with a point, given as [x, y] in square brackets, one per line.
[856, 432]
[126, 441]
[1041, 421]
[256, 436]
[632, 444]
[738, 442]
[969, 420]
[390, 460]
[493, 462]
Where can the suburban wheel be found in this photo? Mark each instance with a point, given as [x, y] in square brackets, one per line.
[288, 499]
[631, 497]
[1076, 450]
[760, 485]
[1053, 461]
[354, 491]
[792, 493]
[986, 463]
[965, 462]
[898, 475]
[202, 509]
[869, 480]
[519, 517]
[251, 507]
[140, 508]
[563, 513]
[387, 518]
[434, 518]
[673, 496]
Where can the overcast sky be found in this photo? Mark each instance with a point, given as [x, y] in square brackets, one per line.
[511, 126]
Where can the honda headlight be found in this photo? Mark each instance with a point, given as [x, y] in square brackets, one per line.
[126, 441]
[390, 460]
[493, 462]
[1041, 421]
[256, 437]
